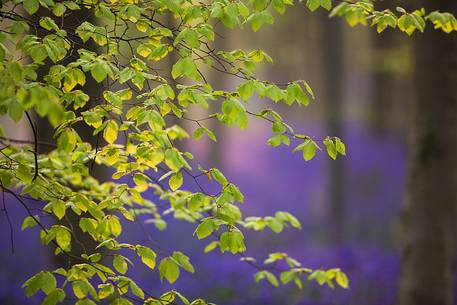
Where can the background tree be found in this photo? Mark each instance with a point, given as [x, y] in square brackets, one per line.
[429, 247]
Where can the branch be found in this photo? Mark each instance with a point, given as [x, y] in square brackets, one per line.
[35, 151]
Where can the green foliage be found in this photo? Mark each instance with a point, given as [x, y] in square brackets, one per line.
[276, 223]
[43, 280]
[295, 273]
[54, 70]
[364, 12]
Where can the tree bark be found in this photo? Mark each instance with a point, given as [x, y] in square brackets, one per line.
[383, 95]
[332, 62]
[429, 215]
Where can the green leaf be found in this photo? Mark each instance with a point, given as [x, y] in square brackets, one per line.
[59, 208]
[234, 113]
[275, 141]
[148, 257]
[54, 297]
[228, 212]
[218, 176]
[183, 261]
[331, 148]
[31, 6]
[315, 4]
[327, 4]
[67, 140]
[173, 160]
[286, 276]
[211, 246]
[120, 264]
[278, 127]
[203, 130]
[279, 6]
[114, 225]
[270, 277]
[230, 15]
[232, 241]
[126, 74]
[274, 93]
[189, 36]
[169, 269]
[257, 19]
[260, 5]
[38, 53]
[237, 194]
[185, 67]
[141, 181]
[275, 225]
[111, 131]
[43, 280]
[319, 276]
[295, 92]
[309, 150]
[105, 290]
[59, 9]
[24, 174]
[246, 90]
[308, 89]
[287, 217]
[48, 24]
[15, 111]
[63, 237]
[340, 147]
[29, 222]
[184, 299]
[175, 181]
[99, 71]
[342, 279]
[204, 229]
[136, 290]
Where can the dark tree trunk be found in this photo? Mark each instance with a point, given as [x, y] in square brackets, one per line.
[390, 78]
[45, 133]
[383, 95]
[332, 62]
[429, 216]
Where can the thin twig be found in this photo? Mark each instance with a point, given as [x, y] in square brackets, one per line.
[9, 222]
[35, 151]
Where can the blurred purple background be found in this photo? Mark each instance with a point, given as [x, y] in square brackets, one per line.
[369, 182]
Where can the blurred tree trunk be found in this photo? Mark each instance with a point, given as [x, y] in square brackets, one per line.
[332, 53]
[219, 81]
[383, 81]
[391, 77]
[429, 216]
